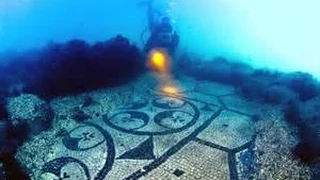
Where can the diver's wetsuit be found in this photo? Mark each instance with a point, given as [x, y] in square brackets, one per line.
[162, 35]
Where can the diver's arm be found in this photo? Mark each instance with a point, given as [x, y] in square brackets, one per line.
[150, 12]
[150, 15]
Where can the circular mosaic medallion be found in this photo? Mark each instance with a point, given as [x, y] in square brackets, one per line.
[82, 138]
[65, 168]
[164, 115]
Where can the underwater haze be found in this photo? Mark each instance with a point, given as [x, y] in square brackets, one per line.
[278, 34]
[159, 89]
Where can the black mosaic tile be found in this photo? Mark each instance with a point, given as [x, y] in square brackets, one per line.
[178, 172]
[143, 151]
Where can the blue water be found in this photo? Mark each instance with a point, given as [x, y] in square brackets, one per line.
[268, 33]
[54, 48]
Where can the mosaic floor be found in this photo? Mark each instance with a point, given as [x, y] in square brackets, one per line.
[204, 132]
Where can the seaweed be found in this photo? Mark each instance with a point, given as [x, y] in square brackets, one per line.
[308, 148]
[305, 85]
[13, 170]
[218, 69]
[293, 90]
[82, 67]
[273, 86]
[279, 94]
[291, 113]
[3, 110]
[71, 67]
[87, 101]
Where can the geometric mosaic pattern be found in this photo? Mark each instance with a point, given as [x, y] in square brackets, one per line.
[196, 134]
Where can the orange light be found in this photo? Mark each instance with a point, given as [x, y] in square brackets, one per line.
[170, 89]
[158, 60]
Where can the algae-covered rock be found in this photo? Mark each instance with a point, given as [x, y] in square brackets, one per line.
[273, 145]
[305, 85]
[278, 94]
[2, 171]
[3, 132]
[310, 110]
[308, 148]
[3, 110]
[29, 112]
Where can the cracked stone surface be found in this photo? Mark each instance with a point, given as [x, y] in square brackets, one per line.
[205, 131]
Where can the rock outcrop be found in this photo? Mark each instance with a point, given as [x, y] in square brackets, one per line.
[29, 114]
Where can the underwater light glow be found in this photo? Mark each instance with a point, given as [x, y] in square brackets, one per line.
[159, 61]
[169, 89]
[282, 35]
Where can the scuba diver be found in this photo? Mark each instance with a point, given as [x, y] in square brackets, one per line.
[162, 34]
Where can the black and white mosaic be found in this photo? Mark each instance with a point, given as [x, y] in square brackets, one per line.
[161, 129]
[82, 138]
[65, 168]
[165, 115]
